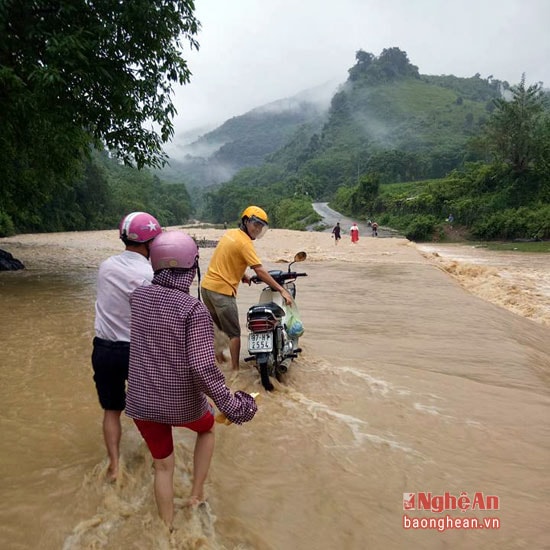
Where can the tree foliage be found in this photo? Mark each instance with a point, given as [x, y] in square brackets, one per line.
[392, 63]
[77, 73]
[473, 88]
[100, 194]
[482, 197]
[288, 203]
[106, 67]
[518, 128]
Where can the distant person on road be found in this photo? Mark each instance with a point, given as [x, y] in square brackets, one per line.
[234, 253]
[117, 278]
[337, 233]
[173, 369]
[354, 233]
[374, 227]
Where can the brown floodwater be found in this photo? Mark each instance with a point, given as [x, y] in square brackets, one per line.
[424, 369]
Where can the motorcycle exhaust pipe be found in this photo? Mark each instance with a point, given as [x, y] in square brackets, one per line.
[283, 366]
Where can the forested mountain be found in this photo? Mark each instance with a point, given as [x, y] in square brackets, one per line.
[405, 129]
[475, 147]
[386, 114]
[246, 140]
[386, 118]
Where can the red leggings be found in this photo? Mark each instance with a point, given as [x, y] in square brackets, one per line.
[159, 436]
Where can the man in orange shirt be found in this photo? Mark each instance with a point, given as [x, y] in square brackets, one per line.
[234, 253]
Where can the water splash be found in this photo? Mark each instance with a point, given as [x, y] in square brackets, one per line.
[128, 506]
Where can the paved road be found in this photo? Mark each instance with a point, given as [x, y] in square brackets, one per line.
[330, 217]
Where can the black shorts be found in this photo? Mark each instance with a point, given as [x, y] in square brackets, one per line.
[110, 363]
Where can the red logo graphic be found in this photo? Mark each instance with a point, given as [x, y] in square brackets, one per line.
[408, 501]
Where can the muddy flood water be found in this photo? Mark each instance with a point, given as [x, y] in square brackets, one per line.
[418, 415]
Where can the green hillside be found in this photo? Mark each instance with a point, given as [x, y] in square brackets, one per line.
[386, 118]
[388, 124]
[412, 114]
[405, 129]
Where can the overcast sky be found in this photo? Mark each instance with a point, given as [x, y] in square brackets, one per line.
[253, 52]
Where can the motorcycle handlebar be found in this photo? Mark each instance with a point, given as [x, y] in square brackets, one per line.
[279, 278]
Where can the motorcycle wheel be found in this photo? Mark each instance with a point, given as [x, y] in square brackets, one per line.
[264, 375]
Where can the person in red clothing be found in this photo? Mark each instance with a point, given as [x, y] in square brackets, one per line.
[173, 368]
[354, 233]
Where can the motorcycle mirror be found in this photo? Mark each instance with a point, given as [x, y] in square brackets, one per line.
[299, 257]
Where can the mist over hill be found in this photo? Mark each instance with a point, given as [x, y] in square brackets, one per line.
[205, 158]
[385, 115]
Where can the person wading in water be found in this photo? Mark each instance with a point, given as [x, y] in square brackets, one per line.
[337, 233]
[118, 276]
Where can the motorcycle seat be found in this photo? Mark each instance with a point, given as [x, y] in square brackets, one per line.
[269, 308]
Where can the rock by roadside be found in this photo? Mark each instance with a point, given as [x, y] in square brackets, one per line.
[8, 262]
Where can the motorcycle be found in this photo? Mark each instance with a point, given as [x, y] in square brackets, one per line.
[275, 328]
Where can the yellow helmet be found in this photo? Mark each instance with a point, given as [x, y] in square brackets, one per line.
[255, 213]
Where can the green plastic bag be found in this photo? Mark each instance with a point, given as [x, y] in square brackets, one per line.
[294, 326]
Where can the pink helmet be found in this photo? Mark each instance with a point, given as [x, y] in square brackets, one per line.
[173, 249]
[139, 227]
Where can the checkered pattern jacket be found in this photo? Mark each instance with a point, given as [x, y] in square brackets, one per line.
[172, 364]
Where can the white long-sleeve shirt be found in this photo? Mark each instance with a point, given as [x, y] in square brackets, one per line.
[117, 278]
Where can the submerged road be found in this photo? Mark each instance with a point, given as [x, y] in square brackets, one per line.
[330, 217]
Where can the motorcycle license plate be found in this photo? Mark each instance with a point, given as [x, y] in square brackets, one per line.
[260, 341]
